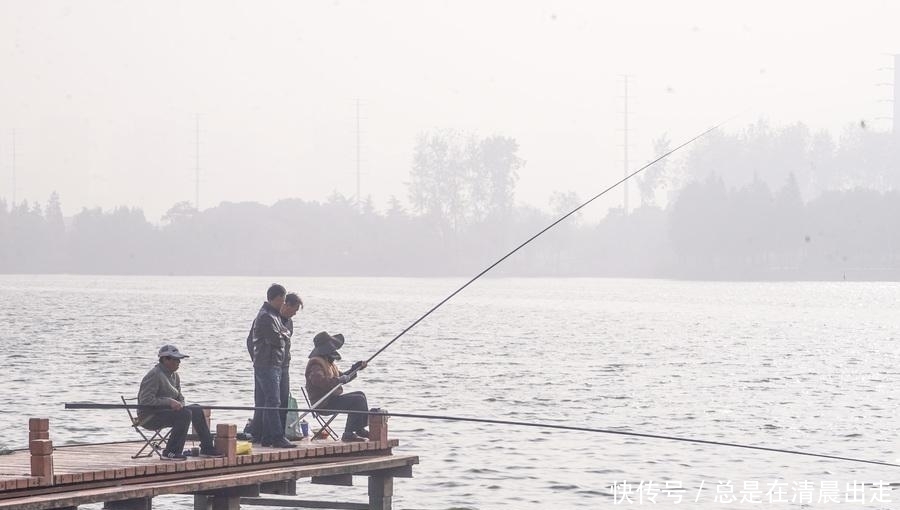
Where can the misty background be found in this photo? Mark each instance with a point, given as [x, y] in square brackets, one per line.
[424, 138]
[762, 203]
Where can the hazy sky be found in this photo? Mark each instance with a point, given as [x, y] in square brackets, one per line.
[103, 95]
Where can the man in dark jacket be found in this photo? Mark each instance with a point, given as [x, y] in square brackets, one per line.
[322, 375]
[269, 338]
[291, 304]
[162, 387]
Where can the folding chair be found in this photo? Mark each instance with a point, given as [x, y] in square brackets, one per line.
[156, 441]
[323, 423]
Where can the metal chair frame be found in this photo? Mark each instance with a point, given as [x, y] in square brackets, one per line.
[156, 441]
[323, 423]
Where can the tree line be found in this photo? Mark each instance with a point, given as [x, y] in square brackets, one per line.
[761, 203]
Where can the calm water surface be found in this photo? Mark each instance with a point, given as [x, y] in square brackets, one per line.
[801, 366]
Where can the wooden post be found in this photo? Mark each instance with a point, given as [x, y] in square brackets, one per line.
[224, 499]
[41, 449]
[202, 502]
[225, 502]
[129, 504]
[226, 442]
[381, 492]
[42, 460]
[280, 487]
[378, 429]
[38, 428]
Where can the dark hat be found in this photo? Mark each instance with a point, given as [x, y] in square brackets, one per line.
[326, 344]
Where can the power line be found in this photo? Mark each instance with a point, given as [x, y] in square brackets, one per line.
[197, 164]
[896, 119]
[14, 168]
[625, 147]
[358, 197]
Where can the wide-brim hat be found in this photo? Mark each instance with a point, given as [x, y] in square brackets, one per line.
[327, 344]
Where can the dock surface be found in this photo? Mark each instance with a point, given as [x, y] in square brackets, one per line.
[106, 473]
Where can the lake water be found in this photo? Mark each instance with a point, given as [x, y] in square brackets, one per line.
[803, 366]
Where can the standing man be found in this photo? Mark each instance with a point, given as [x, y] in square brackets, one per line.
[269, 338]
[162, 387]
[292, 304]
[275, 299]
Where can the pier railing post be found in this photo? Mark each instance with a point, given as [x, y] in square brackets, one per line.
[226, 441]
[381, 492]
[38, 428]
[41, 449]
[378, 428]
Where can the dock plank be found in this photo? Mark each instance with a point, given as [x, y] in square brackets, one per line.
[111, 463]
[150, 489]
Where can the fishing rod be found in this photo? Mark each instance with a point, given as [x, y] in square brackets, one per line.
[548, 227]
[86, 405]
[520, 246]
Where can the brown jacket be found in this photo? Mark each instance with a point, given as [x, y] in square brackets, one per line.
[321, 376]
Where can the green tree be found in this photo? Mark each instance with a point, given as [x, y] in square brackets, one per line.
[493, 177]
[458, 180]
[180, 212]
[436, 187]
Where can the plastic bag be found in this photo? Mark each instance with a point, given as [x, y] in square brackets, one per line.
[292, 430]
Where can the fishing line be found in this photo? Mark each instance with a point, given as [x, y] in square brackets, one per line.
[499, 422]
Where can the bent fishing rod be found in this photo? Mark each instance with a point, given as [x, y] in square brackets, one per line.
[352, 372]
[545, 229]
[88, 405]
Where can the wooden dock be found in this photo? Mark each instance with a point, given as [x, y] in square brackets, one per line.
[62, 478]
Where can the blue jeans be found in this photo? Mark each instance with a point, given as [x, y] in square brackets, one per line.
[259, 401]
[268, 380]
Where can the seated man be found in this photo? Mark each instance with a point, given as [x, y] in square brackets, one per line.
[162, 387]
[322, 375]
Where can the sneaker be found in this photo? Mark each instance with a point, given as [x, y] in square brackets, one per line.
[283, 443]
[210, 453]
[363, 433]
[350, 437]
[172, 456]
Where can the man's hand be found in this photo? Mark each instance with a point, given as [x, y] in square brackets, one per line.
[175, 405]
[359, 365]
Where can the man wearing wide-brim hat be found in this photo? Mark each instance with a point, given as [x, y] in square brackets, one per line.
[322, 375]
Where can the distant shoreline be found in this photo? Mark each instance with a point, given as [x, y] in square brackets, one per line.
[889, 275]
